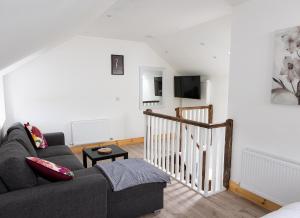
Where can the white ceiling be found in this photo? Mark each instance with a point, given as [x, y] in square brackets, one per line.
[236, 2]
[31, 25]
[175, 26]
[137, 19]
[175, 29]
[201, 49]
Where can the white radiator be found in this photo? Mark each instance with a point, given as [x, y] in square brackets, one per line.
[271, 177]
[90, 131]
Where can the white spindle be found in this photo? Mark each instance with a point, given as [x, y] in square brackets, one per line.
[172, 147]
[148, 136]
[201, 116]
[214, 150]
[195, 143]
[155, 141]
[206, 116]
[197, 115]
[194, 115]
[188, 155]
[177, 145]
[164, 133]
[152, 139]
[185, 114]
[159, 142]
[207, 162]
[169, 134]
[182, 156]
[200, 161]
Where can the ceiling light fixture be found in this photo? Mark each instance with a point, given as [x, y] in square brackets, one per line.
[109, 15]
[149, 36]
[202, 43]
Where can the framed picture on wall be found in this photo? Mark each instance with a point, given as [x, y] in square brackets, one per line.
[117, 64]
[286, 74]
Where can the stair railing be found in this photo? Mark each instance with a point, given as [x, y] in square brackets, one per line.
[201, 162]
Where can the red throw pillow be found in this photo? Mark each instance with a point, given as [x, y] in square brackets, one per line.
[37, 137]
[49, 170]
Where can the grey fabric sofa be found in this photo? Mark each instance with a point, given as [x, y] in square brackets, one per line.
[23, 194]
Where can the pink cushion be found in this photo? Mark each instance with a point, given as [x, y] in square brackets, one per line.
[49, 170]
[37, 137]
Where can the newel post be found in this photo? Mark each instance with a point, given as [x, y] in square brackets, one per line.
[179, 115]
[178, 112]
[227, 152]
[210, 113]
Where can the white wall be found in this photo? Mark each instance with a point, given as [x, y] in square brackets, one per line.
[257, 123]
[74, 82]
[218, 94]
[219, 97]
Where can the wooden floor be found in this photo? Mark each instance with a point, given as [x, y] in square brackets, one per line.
[181, 202]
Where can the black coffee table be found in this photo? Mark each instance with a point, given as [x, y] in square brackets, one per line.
[94, 156]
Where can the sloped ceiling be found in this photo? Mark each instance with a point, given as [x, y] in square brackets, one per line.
[174, 28]
[204, 48]
[31, 25]
[140, 19]
[192, 35]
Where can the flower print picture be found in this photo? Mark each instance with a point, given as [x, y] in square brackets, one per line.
[286, 75]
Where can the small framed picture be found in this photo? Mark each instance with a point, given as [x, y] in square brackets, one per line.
[117, 64]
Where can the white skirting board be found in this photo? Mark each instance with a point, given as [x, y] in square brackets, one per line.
[271, 177]
[90, 131]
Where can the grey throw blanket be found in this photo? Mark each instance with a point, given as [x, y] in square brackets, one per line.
[131, 172]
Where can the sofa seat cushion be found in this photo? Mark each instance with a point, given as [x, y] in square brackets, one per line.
[87, 172]
[20, 135]
[3, 188]
[51, 151]
[15, 173]
[69, 161]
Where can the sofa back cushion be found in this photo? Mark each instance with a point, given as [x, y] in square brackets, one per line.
[15, 173]
[18, 133]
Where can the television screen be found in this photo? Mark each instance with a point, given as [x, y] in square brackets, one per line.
[187, 87]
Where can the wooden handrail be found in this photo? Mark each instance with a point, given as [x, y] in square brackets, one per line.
[181, 120]
[195, 107]
[179, 111]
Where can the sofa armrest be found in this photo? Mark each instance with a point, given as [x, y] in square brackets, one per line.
[81, 197]
[56, 138]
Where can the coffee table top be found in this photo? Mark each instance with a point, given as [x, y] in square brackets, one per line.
[94, 155]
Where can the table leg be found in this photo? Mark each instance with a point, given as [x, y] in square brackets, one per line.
[94, 162]
[84, 159]
[113, 158]
[126, 156]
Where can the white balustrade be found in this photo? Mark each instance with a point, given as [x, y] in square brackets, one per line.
[191, 154]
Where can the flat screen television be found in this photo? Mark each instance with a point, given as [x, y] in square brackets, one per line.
[187, 87]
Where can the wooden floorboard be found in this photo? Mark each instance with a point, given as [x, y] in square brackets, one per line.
[181, 202]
